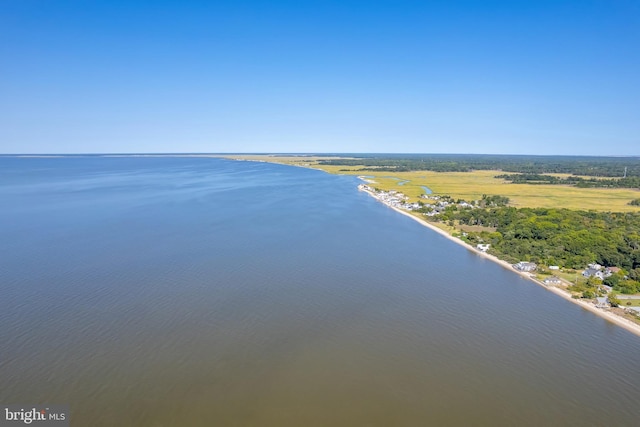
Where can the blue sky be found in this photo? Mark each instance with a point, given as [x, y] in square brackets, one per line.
[518, 77]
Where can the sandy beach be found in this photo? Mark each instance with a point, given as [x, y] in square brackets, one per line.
[587, 305]
[604, 313]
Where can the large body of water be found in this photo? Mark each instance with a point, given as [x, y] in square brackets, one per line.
[209, 292]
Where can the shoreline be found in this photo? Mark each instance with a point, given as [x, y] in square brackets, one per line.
[620, 321]
[607, 315]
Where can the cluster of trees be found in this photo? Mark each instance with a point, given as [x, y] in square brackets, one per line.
[623, 282]
[493, 201]
[563, 237]
[485, 202]
[588, 289]
[532, 178]
[575, 165]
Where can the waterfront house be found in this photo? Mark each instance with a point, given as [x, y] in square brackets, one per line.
[553, 280]
[483, 248]
[611, 270]
[525, 266]
[602, 302]
[592, 272]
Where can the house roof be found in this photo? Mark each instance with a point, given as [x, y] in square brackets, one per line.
[591, 272]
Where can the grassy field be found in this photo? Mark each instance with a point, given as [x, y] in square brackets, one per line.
[472, 185]
[573, 277]
[630, 303]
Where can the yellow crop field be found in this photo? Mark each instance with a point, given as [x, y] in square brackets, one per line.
[472, 185]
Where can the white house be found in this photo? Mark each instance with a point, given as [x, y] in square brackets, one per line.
[592, 272]
[553, 280]
[525, 266]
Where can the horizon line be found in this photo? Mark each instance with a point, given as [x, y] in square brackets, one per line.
[306, 153]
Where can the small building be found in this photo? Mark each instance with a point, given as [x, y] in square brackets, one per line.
[602, 302]
[611, 270]
[483, 248]
[554, 267]
[525, 266]
[592, 272]
[553, 280]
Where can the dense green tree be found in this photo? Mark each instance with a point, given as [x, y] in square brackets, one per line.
[570, 238]
[624, 170]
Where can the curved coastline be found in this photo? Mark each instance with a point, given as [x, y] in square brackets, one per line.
[626, 324]
[607, 315]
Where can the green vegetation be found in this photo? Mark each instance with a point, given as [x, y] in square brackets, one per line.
[538, 179]
[563, 220]
[575, 165]
[473, 184]
[625, 283]
[614, 301]
[587, 289]
[493, 201]
[561, 237]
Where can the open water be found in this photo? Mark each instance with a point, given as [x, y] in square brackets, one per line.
[208, 292]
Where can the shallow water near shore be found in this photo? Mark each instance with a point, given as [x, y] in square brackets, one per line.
[202, 291]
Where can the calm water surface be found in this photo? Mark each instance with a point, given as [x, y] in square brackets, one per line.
[201, 292]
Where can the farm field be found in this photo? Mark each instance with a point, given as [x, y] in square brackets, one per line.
[472, 185]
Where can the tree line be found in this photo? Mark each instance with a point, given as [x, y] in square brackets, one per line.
[576, 181]
[526, 164]
[563, 237]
